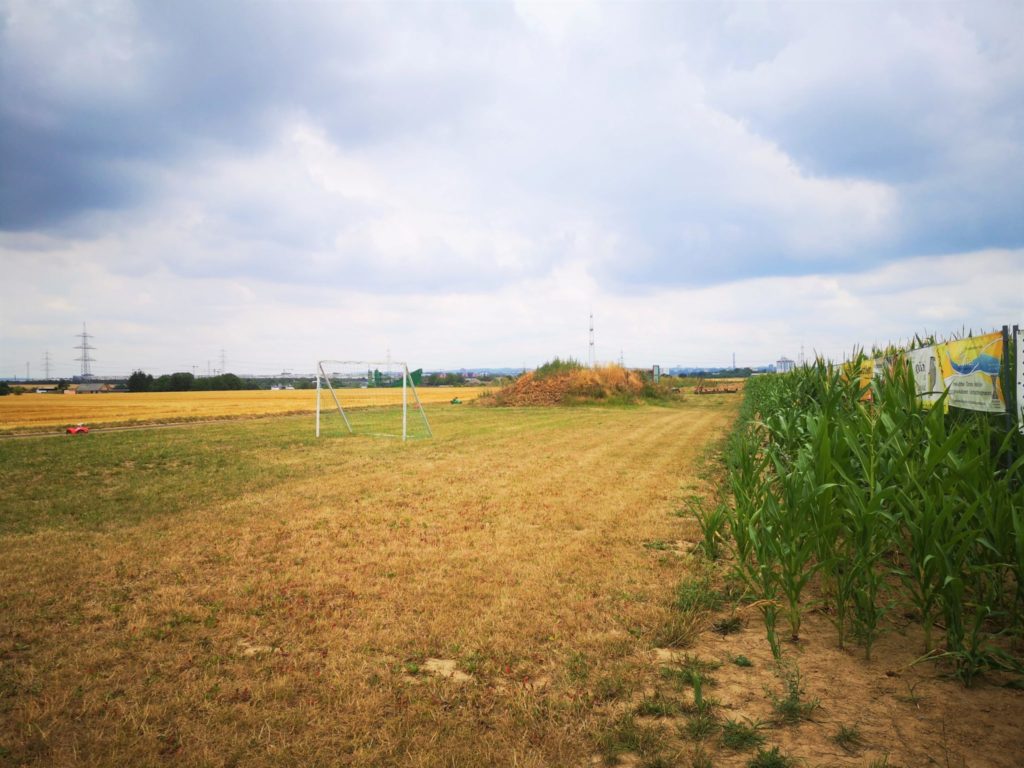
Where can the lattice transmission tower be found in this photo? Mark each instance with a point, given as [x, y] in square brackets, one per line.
[86, 359]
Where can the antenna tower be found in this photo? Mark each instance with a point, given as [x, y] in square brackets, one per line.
[86, 359]
[592, 360]
[46, 365]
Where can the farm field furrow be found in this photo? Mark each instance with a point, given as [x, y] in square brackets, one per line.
[35, 411]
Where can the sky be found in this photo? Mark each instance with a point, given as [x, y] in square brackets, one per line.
[463, 184]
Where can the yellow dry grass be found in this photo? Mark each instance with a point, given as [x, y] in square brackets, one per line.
[19, 412]
[296, 624]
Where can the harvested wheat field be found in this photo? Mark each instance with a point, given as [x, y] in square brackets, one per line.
[520, 590]
[38, 412]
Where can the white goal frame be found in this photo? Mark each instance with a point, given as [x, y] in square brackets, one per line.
[368, 365]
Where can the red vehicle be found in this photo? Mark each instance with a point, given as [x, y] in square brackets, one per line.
[78, 429]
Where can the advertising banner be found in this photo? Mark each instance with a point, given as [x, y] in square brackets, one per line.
[970, 370]
[925, 364]
[1019, 346]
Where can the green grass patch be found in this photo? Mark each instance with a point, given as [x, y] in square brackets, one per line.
[741, 736]
[771, 758]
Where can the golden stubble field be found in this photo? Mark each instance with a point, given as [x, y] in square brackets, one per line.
[30, 412]
[290, 621]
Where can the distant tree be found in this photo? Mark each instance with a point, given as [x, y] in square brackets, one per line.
[230, 381]
[5, 388]
[176, 382]
[140, 382]
[182, 381]
[445, 380]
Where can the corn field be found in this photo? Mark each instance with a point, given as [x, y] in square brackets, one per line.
[854, 499]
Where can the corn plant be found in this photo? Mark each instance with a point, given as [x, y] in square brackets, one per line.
[852, 484]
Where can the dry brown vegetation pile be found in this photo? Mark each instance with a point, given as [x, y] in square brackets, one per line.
[610, 383]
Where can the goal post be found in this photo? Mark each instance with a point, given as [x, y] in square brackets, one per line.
[371, 398]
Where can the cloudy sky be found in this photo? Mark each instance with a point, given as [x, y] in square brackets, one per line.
[461, 184]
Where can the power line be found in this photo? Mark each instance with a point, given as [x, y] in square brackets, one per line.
[86, 359]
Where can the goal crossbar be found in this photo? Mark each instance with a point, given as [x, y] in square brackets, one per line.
[370, 367]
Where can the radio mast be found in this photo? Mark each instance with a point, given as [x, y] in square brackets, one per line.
[592, 360]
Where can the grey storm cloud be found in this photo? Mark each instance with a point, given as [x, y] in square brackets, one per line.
[93, 103]
[662, 144]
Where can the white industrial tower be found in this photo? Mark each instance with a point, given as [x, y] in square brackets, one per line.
[592, 360]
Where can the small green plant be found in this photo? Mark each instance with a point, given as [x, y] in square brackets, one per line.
[697, 681]
[659, 705]
[700, 725]
[729, 625]
[741, 736]
[848, 738]
[742, 661]
[693, 672]
[712, 526]
[771, 758]
[791, 707]
[701, 760]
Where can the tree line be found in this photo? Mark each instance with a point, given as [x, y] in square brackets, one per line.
[183, 381]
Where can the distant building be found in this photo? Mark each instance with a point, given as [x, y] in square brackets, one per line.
[784, 365]
[93, 389]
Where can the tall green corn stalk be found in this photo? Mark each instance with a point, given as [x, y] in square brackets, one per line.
[881, 501]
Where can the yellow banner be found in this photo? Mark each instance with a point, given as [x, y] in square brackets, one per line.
[970, 370]
[873, 370]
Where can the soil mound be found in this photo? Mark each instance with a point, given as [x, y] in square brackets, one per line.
[610, 383]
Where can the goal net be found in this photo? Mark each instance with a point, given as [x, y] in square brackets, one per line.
[358, 397]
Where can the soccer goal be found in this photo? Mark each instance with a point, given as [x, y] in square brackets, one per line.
[371, 398]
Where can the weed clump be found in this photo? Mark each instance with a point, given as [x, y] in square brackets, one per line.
[626, 735]
[659, 705]
[849, 738]
[791, 707]
[741, 736]
[771, 758]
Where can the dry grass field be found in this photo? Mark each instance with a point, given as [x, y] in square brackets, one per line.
[520, 590]
[38, 412]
